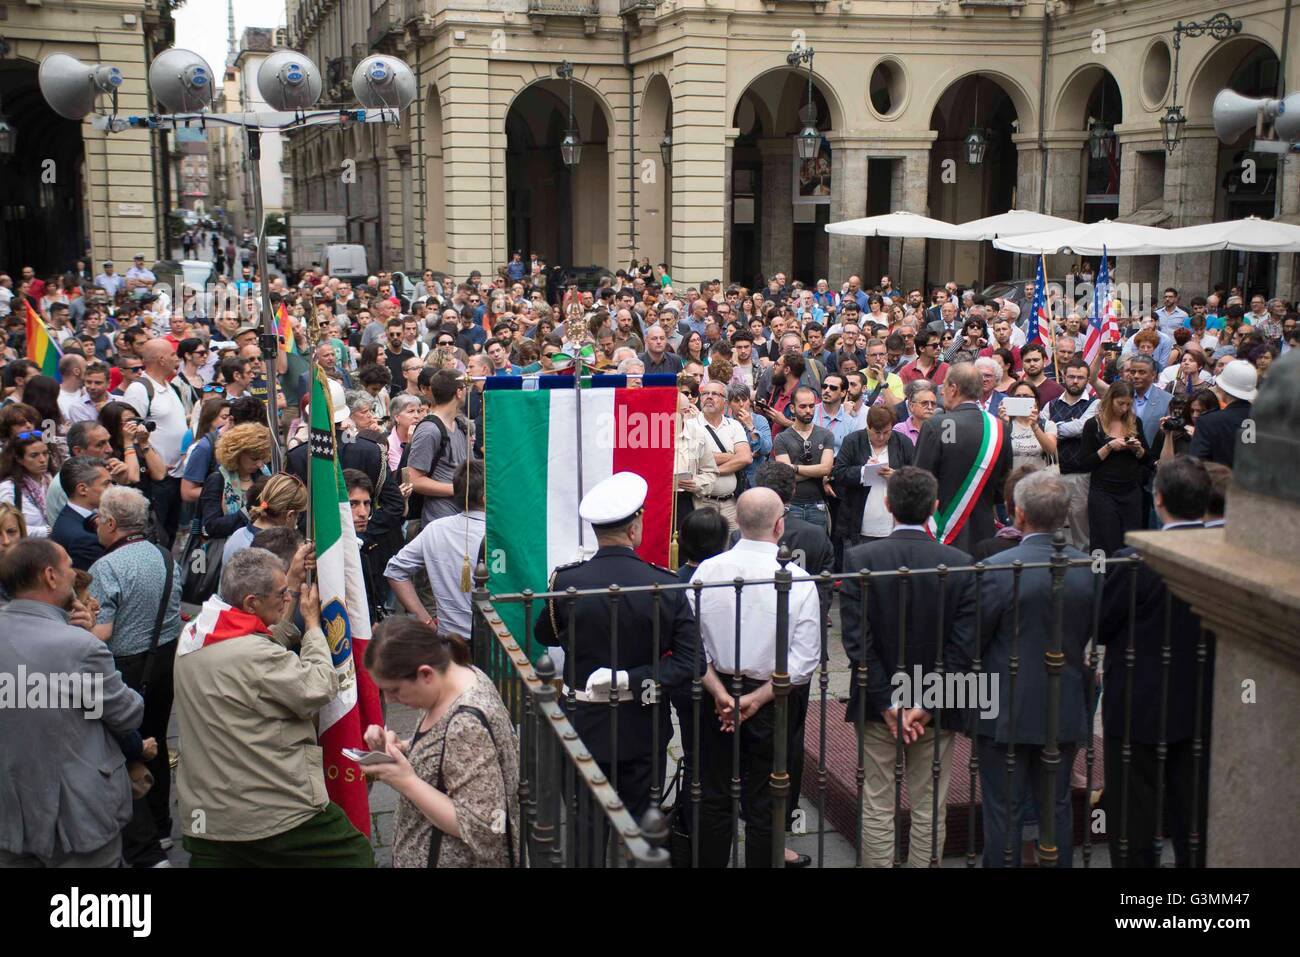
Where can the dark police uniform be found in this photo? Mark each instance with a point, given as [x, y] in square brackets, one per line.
[617, 565]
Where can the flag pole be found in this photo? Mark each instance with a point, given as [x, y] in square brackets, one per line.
[1051, 325]
[577, 419]
[312, 334]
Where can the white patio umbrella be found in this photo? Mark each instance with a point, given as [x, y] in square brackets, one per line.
[899, 224]
[1118, 239]
[1251, 234]
[1015, 222]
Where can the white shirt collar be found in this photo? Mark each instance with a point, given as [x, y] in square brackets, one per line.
[761, 548]
[1182, 524]
[83, 512]
[899, 527]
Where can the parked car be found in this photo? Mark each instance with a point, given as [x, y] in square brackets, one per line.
[586, 278]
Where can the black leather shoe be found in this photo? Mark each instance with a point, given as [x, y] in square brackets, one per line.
[803, 860]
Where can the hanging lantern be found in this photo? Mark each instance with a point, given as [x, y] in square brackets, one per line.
[1171, 124]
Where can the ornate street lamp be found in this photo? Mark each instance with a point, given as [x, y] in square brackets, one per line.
[571, 145]
[808, 141]
[977, 140]
[666, 150]
[1101, 135]
[1220, 27]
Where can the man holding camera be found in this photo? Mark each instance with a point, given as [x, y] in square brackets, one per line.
[163, 413]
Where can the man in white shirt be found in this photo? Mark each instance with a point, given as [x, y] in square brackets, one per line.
[73, 401]
[154, 400]
[109, 281]
[441, 549]
[138, 276]
[725, 438]
[761, 517]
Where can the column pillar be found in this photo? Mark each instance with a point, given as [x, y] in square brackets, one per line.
[729, 138]
[911, 192]
[1288, 264]
[1065, 174]
[1139, 184]
[474, 180]
[1191, 188]
[411, 259]
[776, 235]
[848, 201]
[699, 78]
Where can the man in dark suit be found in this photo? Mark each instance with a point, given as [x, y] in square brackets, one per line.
[1182, 491]
[84, 479]
[70, 748]
[614, 508]
[949, 448]
[1215, 439]
[1017, 727]
[928, 610]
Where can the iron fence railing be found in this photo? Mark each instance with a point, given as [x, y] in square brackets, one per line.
[563, 790]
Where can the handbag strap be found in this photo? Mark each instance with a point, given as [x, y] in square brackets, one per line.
[435, 838]
[158, 619]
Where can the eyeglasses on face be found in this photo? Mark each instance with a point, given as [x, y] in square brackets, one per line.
[214, 388]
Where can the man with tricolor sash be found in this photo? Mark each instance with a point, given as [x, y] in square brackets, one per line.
[969, 452]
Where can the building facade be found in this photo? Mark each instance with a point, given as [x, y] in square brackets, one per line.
[687, 111]
[69, 191]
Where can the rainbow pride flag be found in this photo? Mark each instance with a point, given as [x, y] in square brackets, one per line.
[284, 330]
[41, 347]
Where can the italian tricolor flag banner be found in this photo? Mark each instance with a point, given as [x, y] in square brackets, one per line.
[345, 614]
[946, 524]
[531, 443]
[41, 347]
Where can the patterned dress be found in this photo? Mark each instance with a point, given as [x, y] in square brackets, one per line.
[480, 777]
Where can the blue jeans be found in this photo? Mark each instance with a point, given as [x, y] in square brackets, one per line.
[1027, 784]
[812, 513]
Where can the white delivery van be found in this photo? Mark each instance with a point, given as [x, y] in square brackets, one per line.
[347, 261]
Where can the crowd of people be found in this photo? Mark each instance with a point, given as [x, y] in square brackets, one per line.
[139, 481]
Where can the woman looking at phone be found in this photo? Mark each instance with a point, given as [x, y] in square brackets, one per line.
[458, 776]
[1113, 448]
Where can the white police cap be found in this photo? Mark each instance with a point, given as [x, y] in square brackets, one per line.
[615, 500]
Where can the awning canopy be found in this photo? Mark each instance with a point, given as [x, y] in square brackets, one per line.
[899, 224]
[1015, 222]
[1117, 239]
[1250, 235]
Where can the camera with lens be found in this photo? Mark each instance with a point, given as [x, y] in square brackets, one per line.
[149, 425]
[1175, 423]
[807, 458]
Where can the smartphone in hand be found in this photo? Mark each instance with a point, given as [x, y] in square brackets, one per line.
[365, 758]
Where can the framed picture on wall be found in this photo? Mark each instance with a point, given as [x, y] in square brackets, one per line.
[812, 177]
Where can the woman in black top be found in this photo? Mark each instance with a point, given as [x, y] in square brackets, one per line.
[1113, 448]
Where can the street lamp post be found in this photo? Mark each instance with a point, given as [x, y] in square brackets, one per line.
[181, 82]
[808, 141]
[1220, 27]
[571, 145]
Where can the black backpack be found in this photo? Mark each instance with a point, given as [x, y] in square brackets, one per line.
[415, 505]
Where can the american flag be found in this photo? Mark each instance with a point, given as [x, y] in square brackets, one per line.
[1040, 325]
[1102, 325]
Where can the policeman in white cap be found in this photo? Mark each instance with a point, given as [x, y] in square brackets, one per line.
[597, 665]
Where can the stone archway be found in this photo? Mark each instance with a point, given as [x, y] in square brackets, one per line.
[560, 212]
[1090, 99]
[654, 175]
[434, 212]
[777, 209]
[960, 191]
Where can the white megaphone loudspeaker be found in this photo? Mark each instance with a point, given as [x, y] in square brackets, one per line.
[1287, 123]
[181, 81]
[70, 86]
[383, 83]
[1234, 114]
[288, 81]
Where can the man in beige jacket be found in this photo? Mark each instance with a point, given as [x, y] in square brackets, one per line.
[251, 782]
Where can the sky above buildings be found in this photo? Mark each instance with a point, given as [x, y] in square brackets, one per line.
[201, 25]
